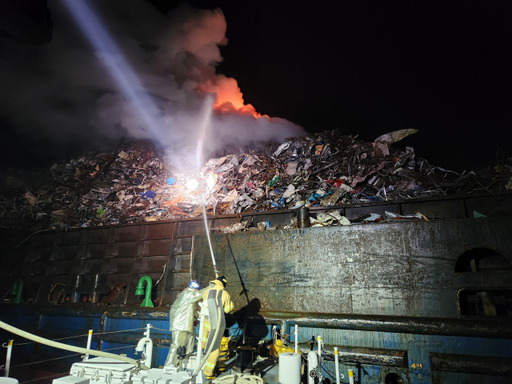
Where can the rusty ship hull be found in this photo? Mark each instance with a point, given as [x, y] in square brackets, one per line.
[405, 301]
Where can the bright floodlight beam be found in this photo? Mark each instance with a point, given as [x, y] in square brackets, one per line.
[117, 66]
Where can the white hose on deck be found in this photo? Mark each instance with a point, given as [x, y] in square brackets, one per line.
[239, 379]
[56, 344]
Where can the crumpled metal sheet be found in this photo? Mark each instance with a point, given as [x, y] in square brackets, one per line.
[139, 183]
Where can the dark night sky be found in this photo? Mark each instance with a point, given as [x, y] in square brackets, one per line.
[364, 67]
[369, 67]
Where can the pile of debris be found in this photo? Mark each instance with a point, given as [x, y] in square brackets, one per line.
[139, 183]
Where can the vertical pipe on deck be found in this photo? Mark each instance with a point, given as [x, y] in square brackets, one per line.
[350, 376]
[8, 357]
[319, 372]
[89, 341]
[296, 338]
[336, 362]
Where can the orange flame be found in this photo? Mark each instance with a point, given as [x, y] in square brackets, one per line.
[229, 97]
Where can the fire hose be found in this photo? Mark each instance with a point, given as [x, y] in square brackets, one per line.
[71, 348]
[207, 230]
[210, 350]
[239, 379]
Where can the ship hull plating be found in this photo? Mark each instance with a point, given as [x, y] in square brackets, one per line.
[404, 301]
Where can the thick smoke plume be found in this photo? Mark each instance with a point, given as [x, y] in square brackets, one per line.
[61, 93]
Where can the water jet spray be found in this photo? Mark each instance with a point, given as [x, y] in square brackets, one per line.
[205, 122]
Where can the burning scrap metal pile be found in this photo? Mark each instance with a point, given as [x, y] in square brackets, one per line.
[139, 183]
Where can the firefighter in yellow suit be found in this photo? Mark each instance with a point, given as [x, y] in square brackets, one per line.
[218, 302]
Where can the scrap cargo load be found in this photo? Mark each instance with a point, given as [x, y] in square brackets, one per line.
[139, 182]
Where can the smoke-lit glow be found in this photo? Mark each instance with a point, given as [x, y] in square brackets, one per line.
[211, 180]
[125, 77]
[192, 185]
[123, 69]
[229, 97]
[206, 113]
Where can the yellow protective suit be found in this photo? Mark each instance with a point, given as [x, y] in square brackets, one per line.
[217, 296]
